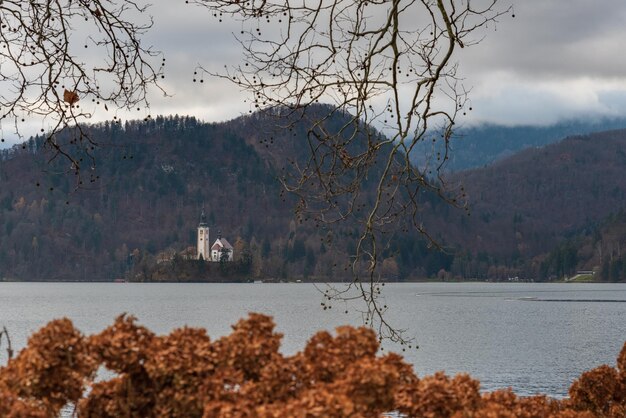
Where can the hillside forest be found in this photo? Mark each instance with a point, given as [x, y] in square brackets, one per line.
[542, 214]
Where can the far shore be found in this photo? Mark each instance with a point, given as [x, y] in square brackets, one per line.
[307, 281]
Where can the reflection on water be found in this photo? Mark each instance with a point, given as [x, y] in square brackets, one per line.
[532, 337]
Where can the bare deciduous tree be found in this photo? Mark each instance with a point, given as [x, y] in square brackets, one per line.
[387, 64]
[60, 60]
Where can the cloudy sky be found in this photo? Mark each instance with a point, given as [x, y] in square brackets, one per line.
[554, 60]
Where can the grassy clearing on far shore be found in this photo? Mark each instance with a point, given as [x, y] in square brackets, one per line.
[582, 278]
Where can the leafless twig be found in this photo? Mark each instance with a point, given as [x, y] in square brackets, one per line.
[8, 338]
[60, 60]
[384, 64]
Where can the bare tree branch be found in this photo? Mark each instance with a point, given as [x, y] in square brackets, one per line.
[387, 64]
[8, 338]
[62, 59]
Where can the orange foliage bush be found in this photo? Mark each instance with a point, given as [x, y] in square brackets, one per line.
[243, 375]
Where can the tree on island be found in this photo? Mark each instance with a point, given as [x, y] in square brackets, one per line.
[224, 255]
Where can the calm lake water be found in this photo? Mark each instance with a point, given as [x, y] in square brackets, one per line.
[535, 338]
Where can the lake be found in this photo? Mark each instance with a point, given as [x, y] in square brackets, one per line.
[535, 338]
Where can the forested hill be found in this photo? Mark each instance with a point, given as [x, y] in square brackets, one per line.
[145, 198]
[526, 206]
[532, 214]
[154, 178]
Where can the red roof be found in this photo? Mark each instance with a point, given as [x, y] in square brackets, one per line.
[221, 243]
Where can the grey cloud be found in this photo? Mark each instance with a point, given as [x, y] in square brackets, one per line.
[555, 39]
[556, 59]
[552, 61]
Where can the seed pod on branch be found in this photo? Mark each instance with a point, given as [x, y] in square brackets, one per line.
[355, 56]
[40, 60]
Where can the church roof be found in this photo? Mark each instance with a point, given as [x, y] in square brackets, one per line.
[221, 243]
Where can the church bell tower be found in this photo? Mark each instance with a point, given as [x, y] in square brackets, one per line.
[204, 244]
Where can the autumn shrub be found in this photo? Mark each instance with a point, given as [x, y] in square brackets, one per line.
[244, 375]
[51, 371]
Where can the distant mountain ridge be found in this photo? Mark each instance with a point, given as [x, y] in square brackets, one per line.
[479, 146]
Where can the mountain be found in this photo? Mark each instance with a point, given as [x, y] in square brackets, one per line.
[524, 206]
[479, 146]
[142, 204]
[153, 178]
[136, 214]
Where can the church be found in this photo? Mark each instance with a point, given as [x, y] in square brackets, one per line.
[220, 248]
